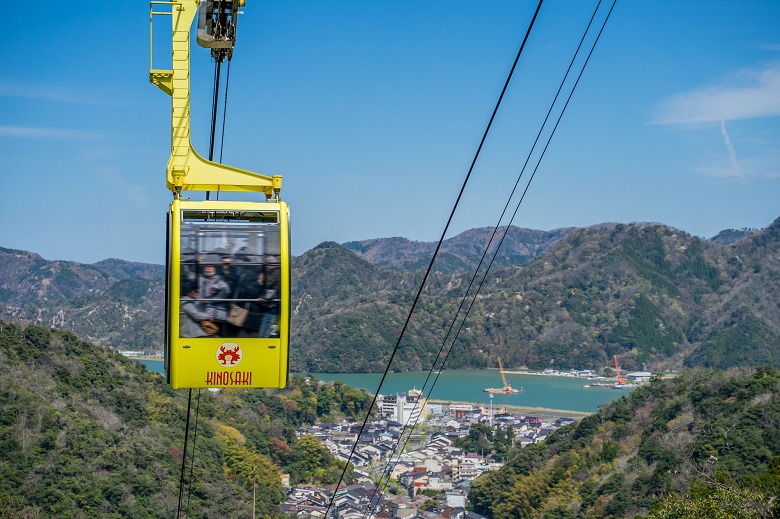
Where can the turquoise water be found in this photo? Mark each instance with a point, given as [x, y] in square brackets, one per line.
[155, 366]
[468, 385]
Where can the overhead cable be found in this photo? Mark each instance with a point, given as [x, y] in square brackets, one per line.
[438, 246]
[495, 230]
[184, 455]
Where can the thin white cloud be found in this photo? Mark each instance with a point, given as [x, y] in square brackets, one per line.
[54, 93]
[26, 132]
[730, 148]
[116, 181]
[751, 94]
[721, 173]
[747, 170]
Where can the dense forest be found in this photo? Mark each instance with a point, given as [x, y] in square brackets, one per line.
[655, 296]
[705, 445]
[85, 432]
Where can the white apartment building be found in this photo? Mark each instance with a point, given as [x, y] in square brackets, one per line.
[401, 408]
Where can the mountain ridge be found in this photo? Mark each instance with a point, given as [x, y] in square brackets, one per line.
[653, 295]
[463, 251]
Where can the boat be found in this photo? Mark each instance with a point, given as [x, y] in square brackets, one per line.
[507, 389]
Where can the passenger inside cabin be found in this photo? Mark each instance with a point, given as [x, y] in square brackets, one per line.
[252, 288]
[194, 321]
[273, 283]
[212, 286]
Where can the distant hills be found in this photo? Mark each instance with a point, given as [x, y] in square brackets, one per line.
[113, 303]
[653, 295]
[461, 253]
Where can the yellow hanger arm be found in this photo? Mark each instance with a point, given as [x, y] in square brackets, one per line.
[188, 171]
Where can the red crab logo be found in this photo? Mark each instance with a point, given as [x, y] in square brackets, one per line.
[229, 354]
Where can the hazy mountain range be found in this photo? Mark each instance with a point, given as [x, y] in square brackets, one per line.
[653, 295]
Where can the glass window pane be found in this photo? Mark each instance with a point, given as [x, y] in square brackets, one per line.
[230, 274]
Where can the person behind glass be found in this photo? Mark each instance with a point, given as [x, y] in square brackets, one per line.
[229, 273]
[273, 285]
[252, 286]
[212, 286]
[188, 265]
[193, 319]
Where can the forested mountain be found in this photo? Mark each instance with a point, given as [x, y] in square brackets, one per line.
[727, 236]
[705, 445]
[461, 253]
[86, 432]
[653, 295]
[113, 303]
[742, 326]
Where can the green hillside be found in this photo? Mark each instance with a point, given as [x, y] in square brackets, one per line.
[85, 432]
[705, 445]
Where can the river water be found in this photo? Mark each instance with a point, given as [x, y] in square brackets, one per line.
[548, 392]
[469, 385]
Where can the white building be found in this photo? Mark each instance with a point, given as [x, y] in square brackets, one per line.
[456, 499]
[400, 408]
[639, 376]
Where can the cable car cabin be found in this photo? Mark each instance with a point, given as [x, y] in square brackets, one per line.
[228, 294]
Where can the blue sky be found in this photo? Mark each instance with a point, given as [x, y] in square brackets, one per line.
[372, 112]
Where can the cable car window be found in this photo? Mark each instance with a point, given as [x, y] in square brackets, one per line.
[230, 274]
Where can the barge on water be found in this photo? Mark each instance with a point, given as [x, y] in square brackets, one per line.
[507, 389]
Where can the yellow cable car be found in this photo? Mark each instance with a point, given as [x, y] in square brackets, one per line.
[227, 301]
[227, 265]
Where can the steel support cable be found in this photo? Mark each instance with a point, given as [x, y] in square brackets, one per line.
[214, 97]
[436, 251]
[214, 109]
[539, 160]
[484, 255]
[529, 182]
[224, 113]
[224, 117]
[214, 105]
[184, 454]
[192, 457]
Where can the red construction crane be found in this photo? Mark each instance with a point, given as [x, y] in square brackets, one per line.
[620, 379]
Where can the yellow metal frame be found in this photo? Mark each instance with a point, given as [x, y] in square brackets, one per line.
[503, 377]
[191, 362]
[188, 171]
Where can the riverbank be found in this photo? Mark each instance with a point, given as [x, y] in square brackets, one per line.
[541, 412]
[543, 396]
[559, 374]
[540, 392]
